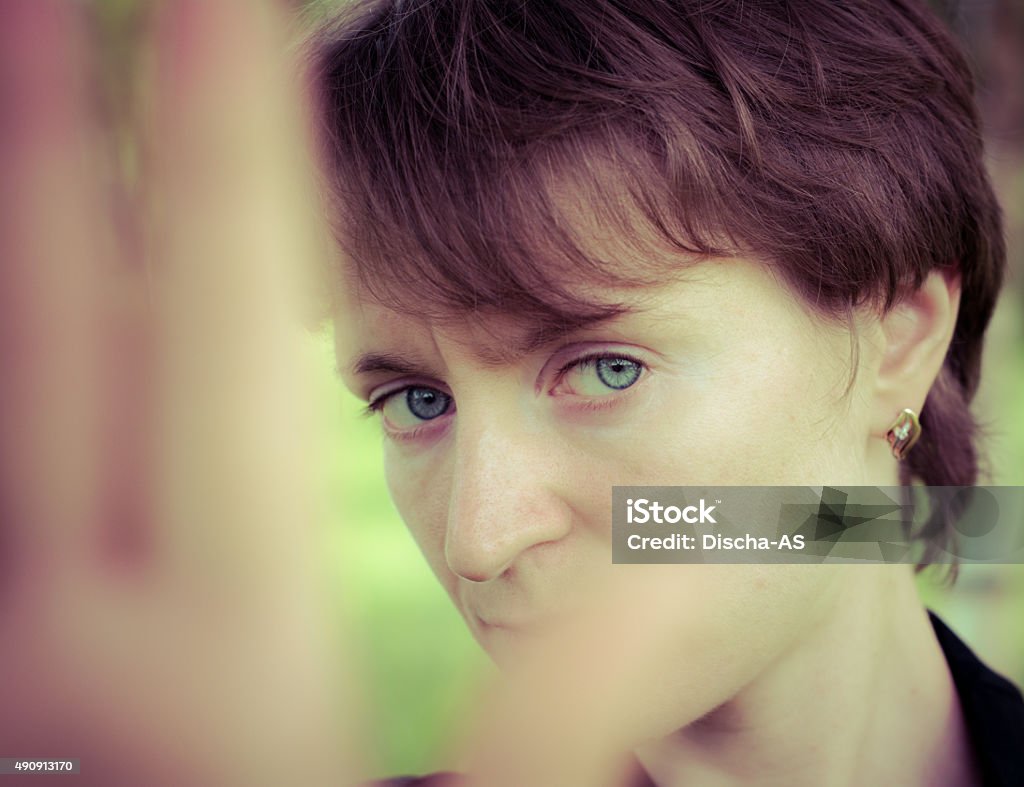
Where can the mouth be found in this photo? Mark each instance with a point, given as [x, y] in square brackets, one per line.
[494, 624]
[519, 626]
[512, 616]
[507, 641]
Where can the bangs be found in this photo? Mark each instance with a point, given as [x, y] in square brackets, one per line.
[453, 194]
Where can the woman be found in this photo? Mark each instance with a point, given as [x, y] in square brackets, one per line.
[588, 244]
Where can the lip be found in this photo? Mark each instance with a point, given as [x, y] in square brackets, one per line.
[522, 626]
[488, 623]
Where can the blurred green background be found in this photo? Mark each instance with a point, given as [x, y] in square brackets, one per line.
[417, 662]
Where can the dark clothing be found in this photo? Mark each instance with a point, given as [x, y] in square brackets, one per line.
[993, 711]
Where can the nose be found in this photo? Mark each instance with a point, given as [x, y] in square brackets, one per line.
[504, 499]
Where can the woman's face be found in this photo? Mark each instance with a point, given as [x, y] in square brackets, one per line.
[503, 469]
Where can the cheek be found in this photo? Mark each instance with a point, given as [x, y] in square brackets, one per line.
[764, 417]
[729, 624]
[420, 489]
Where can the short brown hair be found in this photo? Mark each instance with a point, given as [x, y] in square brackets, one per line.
[837, 142]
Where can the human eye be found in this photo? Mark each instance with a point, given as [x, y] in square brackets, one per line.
[407, 409]
[599, 375]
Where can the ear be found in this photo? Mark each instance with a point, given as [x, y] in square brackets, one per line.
[915, 337]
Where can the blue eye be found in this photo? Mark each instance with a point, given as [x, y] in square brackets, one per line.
[426, 403]
[600, 375]
[407, 408]
[617, 373]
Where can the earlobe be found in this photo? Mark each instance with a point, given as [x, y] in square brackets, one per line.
[916, 335]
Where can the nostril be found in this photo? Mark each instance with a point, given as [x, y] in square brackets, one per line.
[501, 505]
[475, 571]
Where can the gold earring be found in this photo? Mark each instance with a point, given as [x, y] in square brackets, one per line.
[903, 433]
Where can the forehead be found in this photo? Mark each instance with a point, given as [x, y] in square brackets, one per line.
[365, 327]
[718, 306]
[590, 259]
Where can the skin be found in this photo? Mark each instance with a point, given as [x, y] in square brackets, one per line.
[163, 618]
[506, 492]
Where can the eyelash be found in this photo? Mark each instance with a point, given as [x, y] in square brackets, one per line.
[374, 407]
[377, 404]
[592, 404]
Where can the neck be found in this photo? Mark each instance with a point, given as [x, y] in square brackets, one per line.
[865, 698]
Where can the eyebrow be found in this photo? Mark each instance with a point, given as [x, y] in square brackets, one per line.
[508, 349]
[371, 363]
[501, 355]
